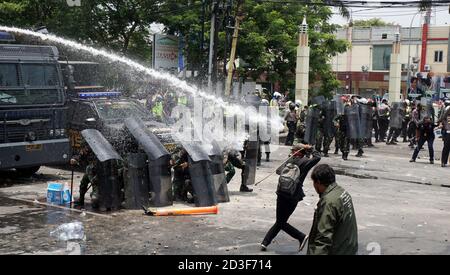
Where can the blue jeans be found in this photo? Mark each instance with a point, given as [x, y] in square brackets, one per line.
[420, 144]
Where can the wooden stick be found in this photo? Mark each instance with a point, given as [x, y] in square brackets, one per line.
[61, 207]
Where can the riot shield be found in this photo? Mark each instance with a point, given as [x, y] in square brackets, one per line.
[318, 100]
[200, 172]
[158, 162]
[109, 185]
[396, 118]
[329, 115]
[427, 109]
[339, 104]
[253, 100]
[160, 181]
[312, 124]
[251, 158]
[353, 121]
[218, 172]
[136, 181]
[366, 120]
[147, 140]
[99, 145]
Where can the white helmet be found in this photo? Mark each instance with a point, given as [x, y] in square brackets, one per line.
[276, 94]
[298, 103]
[362, 100]
[407, 102]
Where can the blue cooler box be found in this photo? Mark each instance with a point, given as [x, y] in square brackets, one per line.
[58, 193]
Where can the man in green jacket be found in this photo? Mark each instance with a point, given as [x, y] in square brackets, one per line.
[334, 230]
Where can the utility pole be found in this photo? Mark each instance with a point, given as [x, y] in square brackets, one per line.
[202, 45]
[211, 44]
[239, 17]
[228, 26]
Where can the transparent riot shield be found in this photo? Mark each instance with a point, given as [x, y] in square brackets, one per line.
[427, 109]
[330, 114]
[353, 121]
[218, 172]
[311, 125]
[396, 118]
[339, 104]
[251, 159]
[366, 120]
[318, 100]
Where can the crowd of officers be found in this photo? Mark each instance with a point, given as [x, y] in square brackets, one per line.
[162, 102]
[417, 126]
[183, 190]
[414, 122]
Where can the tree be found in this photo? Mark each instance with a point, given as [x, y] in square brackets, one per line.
[269, 40]
[120, 25]
[373, 22]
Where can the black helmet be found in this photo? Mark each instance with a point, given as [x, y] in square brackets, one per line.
[292, 106]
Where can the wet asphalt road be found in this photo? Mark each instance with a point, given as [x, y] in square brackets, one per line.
[401, 208]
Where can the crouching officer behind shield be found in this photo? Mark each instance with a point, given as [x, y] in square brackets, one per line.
[87, 157]
[231, 159]
[182, 184]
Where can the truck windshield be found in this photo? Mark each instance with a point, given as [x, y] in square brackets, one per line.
[120, 110]
[39, 84]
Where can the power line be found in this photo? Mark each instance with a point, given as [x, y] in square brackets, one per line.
[388, 13]
[360, 4]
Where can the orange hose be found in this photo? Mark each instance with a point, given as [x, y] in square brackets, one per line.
[187, 211]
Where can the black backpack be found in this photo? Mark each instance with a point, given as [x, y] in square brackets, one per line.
[287, 182]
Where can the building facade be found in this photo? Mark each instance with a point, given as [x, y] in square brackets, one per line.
[364, 68]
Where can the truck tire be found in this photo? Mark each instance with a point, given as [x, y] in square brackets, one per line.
[27, 172]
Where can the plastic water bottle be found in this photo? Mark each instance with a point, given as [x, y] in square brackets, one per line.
[69, 231]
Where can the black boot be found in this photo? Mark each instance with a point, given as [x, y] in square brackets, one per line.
[244, 188]
[345, 156]
[80, 202]
[267, 157]
[325, 154]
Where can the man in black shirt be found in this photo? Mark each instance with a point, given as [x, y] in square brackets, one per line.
[286, 204]
[426, 134]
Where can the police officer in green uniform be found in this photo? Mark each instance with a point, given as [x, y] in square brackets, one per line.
[158, 108]
[334, 230]
[231, 160]
[182, 100]
[182, 184]
[87, 157]
[342, 135]
[323, 139]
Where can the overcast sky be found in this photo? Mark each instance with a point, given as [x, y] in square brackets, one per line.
[402, 16]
